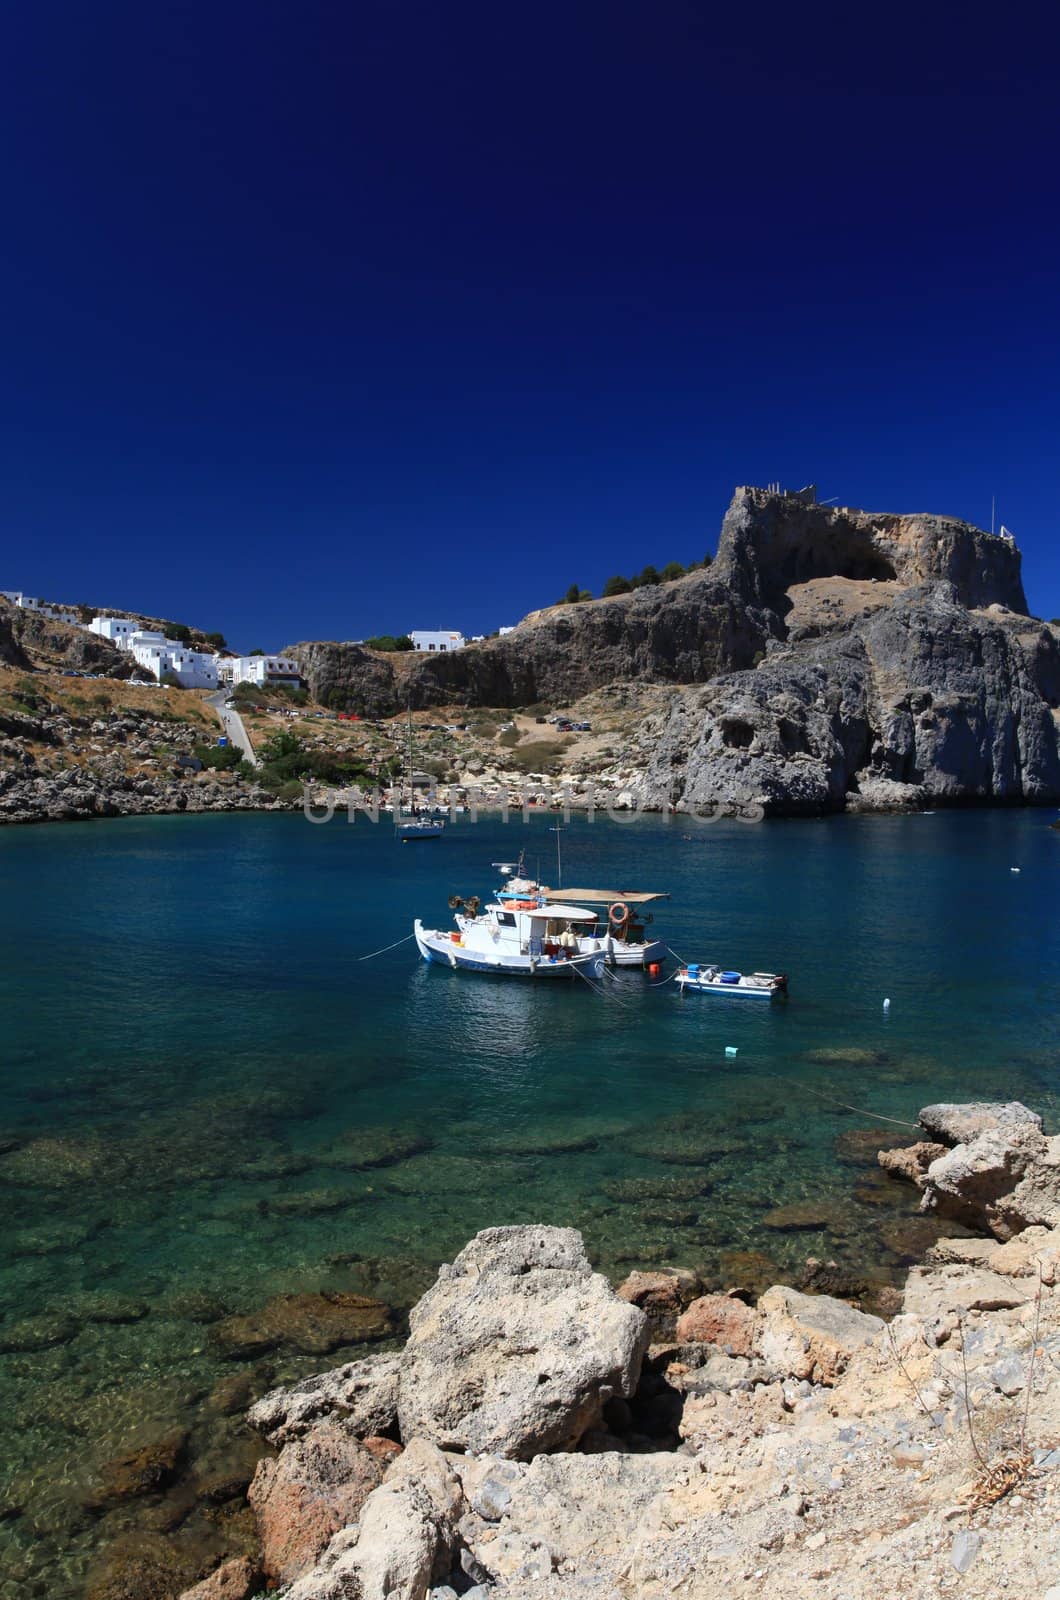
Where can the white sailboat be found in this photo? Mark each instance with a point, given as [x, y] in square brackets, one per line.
[414, 827]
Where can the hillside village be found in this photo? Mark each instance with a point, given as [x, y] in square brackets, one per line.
[111, 716]
[826, 659]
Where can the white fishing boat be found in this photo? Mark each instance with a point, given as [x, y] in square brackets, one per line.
[619, 922]
[514, 939]
[702, 979]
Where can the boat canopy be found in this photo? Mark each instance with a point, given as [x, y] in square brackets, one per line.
[556, 911]
[602, 897]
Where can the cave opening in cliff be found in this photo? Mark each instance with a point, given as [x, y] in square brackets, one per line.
[736, 734]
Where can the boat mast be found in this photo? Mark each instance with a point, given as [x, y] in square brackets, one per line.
[557, 830]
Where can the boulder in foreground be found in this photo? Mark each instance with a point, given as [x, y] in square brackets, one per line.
[518, 1347]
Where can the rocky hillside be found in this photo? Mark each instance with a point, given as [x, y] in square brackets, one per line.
[71, 750]
[541, 1436]
[847, 659]
[28, 639]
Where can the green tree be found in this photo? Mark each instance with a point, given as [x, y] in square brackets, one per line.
[179, 631]
[217, 641]
[257, 652]
[646, 578]
[616, 585]
[672, 570]
[279, 746]
[573, 595]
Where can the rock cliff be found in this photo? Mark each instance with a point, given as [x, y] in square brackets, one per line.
[831, 658]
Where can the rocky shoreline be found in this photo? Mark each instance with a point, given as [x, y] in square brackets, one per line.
[541, 1435]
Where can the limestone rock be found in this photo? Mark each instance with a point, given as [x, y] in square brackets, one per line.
[403, 1541]
[517, 1347]
[911, 1161]
[719, 1319]
[932, 1291]
[363, 1394]
[976, 1183]
[661, 1293]
[948, 1123]
[316, 1486]
[811, 1336]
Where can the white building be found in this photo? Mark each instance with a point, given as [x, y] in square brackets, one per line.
[503, 631]
[26, 602]
[193, 669]
[440, 640]
[264, 670]
[118, 630]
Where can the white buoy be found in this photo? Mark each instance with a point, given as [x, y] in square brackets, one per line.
[1013, 869]
[887, 1005]
[730, 1049]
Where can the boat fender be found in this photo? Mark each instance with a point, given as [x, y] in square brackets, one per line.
[452, 958]
[618, 914]
[730, 1050]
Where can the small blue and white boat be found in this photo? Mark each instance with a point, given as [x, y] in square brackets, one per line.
[697, 979]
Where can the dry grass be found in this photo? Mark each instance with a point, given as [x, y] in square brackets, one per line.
[81, 697]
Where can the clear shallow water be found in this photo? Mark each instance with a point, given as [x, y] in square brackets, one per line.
[200, 1083]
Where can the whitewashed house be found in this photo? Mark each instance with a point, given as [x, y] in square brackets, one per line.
[26, 602]
[263, 670]
[118, 630]
[438, 640]
[162, 657]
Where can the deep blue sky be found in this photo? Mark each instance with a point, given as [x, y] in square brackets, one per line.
[330, 318]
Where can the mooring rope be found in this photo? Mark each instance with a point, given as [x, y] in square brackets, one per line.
[387, 947]
[861, 1111]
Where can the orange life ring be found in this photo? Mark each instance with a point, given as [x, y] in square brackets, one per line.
[618, 914]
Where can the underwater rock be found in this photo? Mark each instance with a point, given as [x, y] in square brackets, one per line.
[373, 1147]
[139, 1566]
[909, 1238]
[808, 1215]
[313, 1323]
[238, 1390]
[861, 1146]
[237, 1579]
[147, 1470]
[109, 1308]
[36, 1333]
[665, 1186]
[312, 1202]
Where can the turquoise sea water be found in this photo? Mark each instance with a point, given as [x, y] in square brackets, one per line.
[206, 1094]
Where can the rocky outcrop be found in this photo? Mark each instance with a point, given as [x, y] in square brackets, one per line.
[1001, 1173]
[849, 659]
[39, 640]
[527, 1301]
[920, 702]
[833, 1458]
